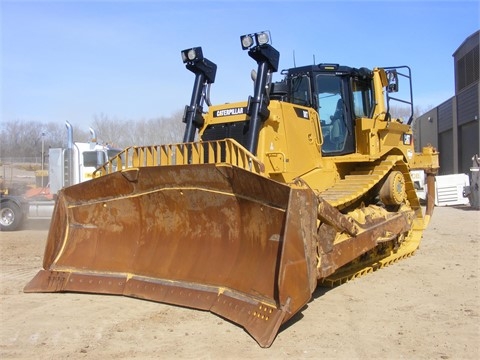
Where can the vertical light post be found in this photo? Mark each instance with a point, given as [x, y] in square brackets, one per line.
[43, 154]
[205, 72]
[267, 59]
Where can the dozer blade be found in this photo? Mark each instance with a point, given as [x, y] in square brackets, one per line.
[211, 237]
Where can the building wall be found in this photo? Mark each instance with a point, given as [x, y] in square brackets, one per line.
[467, 62]
[468, 138]
[453, 126]
[426, 132]
[447, 163]
[467, 104]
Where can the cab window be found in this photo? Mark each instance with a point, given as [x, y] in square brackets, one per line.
[301, 93]
[331, 110]
[329, 96]
[362, 97]
[93, 158]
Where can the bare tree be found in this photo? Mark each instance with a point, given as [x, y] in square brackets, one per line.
[170, 129]
[403, 112]
[124, 132]
[25, 138]
[110, 130]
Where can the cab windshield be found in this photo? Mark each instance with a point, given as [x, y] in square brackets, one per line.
[331, 111]
[329, 93]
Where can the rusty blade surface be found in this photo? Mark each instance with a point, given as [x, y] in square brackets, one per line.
[216, 238]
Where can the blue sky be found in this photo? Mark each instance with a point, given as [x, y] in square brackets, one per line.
[73, 60]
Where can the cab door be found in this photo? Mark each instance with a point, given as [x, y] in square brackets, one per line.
[335, 111]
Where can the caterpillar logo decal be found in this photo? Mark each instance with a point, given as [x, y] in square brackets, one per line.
[230, 112]
[302, 113]
[407, 139]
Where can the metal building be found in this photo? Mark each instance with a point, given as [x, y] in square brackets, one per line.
[453, 126]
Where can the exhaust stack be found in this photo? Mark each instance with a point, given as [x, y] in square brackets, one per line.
[69, 153]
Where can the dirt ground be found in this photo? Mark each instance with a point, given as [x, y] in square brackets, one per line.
[424, 307]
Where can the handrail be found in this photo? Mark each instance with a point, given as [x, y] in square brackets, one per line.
[203, 152]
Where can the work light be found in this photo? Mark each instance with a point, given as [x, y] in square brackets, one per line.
[247, 41]
[256, 39]
[262, 38]
[193, 54]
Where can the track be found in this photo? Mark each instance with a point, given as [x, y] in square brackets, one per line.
[358, 182]
[352, 188]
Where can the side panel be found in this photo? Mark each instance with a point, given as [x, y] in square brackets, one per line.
[290, 141]
[55, 169]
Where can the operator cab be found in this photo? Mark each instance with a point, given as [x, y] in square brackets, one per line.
[340, 94]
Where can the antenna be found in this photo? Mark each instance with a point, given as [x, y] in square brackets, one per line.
[313, 59]
[294, 64]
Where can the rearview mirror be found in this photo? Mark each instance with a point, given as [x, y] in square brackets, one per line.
[392, 78]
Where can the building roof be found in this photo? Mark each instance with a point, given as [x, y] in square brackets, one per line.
[476, 35]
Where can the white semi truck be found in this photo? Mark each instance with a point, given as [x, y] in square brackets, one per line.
[66, 166]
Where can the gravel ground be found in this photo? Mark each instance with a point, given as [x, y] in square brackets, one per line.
[424, 307]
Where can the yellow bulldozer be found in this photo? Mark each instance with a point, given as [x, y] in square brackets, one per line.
[305, 183]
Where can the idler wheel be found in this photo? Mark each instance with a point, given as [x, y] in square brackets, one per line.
[393, 190]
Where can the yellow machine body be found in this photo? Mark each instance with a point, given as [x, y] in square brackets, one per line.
[248, 235]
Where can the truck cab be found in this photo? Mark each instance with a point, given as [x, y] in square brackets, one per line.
[77, 163]
[67, 166]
